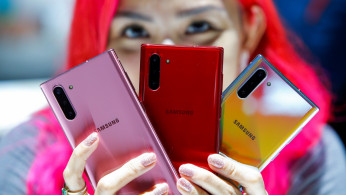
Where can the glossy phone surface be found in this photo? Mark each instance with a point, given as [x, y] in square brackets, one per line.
[256, 128]
[104, 101]
[185, 108]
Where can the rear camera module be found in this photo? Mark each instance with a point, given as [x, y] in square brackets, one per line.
[251, 84]
[64, 103]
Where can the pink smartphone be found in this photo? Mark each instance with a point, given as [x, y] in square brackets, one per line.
[97, 95]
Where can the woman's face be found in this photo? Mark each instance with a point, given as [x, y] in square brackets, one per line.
[176, 22]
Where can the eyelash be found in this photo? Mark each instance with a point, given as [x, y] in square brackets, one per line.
[138, 31]
[143, 34]
[199, 25]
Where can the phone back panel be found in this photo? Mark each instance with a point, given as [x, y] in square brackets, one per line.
[104, 101]
[256, 129]
[185, 110]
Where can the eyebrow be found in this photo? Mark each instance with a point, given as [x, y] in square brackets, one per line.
[198, 10]
[133, 15]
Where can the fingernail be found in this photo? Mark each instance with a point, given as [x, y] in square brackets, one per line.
[161, 189]
[216, 161]
[185, 184]
[185, 170]
[148, 159]
[90, 139]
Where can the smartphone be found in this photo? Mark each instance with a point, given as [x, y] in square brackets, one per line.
[97, 96]
[262, 111]
[180, 88]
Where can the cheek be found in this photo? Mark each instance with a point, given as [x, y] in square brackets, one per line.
[231, 42]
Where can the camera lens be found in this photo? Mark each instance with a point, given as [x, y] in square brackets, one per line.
[58, 91]
[154, 60]
[70, 113]
[260, 74]
[154, 71]
[242, 93]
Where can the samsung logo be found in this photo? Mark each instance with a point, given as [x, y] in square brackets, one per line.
[107, 125]
[245, 130]
[179, 112]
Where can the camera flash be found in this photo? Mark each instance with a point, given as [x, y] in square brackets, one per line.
[168, 61]
[269, 84]
[70, 87]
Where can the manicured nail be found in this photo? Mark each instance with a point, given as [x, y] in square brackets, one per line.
[148, 159]
[185, 170]
[90, 139]
[216, 161]
[161, 189]
[185, 184]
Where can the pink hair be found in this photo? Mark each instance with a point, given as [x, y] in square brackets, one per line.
[89, 33]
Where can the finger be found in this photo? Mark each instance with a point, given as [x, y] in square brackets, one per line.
[207, 180]
[112, 182]
[247, 176]
[160, 189]
[185, 188]
[75, 166]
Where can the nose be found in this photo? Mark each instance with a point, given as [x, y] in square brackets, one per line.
[167, 42]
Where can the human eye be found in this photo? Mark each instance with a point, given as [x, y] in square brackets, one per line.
[198, 27]
[135, 31]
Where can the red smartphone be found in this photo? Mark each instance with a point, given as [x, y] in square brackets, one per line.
[180, 88]
[97, 96]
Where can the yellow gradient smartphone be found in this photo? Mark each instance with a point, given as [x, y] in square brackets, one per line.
[262, 111]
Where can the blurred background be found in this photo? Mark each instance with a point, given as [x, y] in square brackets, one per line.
[321, 26]
[34, 33]
[33, 38]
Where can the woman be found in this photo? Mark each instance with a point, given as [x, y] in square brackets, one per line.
[244, 28]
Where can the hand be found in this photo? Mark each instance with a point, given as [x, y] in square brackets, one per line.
[111, 183]
[196, 180]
